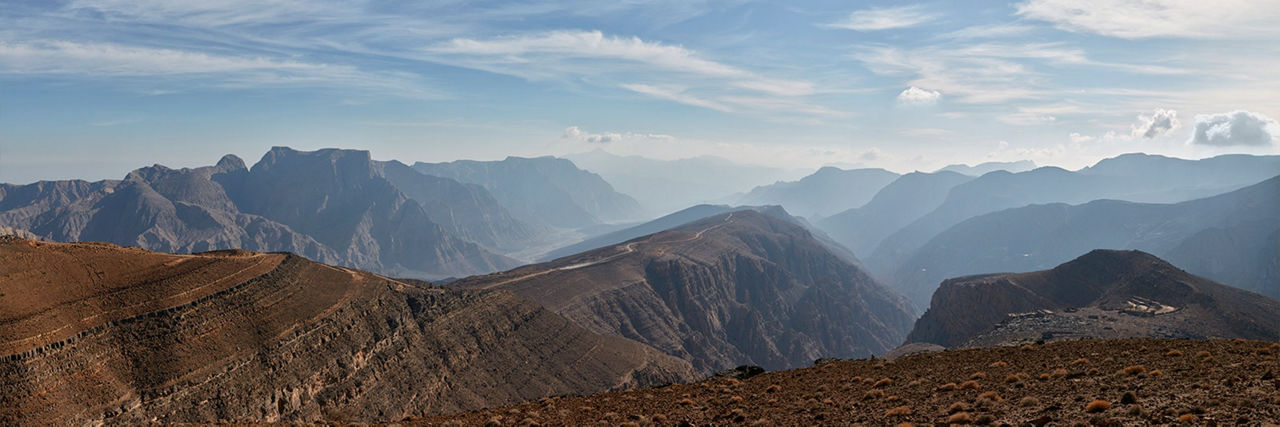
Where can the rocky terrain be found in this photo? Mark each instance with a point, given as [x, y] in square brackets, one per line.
[93, 332]
[331, 206]
[1081, 382]
[1101, 294]
[739, 287]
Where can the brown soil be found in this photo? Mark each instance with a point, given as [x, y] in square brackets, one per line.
[1139, 381]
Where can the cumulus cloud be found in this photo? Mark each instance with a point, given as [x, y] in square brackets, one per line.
[884, 19]
[1234, 128]
[576, 133]
[1160, 123]
[917, 96]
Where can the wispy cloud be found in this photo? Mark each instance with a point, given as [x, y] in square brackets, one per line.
[576, 133]
[676, 94]
[1158, 18]
[883, 19]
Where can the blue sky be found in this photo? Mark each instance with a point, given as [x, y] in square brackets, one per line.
[94, 88]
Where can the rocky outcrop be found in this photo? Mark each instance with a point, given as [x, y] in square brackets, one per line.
[97, 333]
[732, 289]
[1134, 293]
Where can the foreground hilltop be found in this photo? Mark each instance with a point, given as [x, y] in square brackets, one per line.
[1102, 382]
[93, 332]
[739, 287]
[1102, 294]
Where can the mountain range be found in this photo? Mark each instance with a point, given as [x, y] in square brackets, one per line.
[825, 192]
[1229, 237]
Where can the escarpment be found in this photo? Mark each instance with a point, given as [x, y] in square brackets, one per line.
[127, 336]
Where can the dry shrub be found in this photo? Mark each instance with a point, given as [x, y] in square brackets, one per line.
[992, 396]
[1187, 418]
[957, 407]
[1080, 361]
[1174, 353]
[899, 411]
[999, 364]
[1059, 373]
[873, 394]
[1029, 401]
[969, 385]
[736, 399]
[686, 401]
[1011, 379]
[1203, 354]
[905, 425]
[947, 387]
[884, 382]
[773, 389]
[978, 376]
[1134, 369]
[1155, 373]
[1044, 377]
[960, 418]
[1097, 406]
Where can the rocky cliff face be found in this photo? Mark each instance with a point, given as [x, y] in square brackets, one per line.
[1104, 293]
[330, 206]
[97, 333]
[741, 287]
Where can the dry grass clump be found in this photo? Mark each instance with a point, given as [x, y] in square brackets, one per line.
[1080, 361]
[957, 407]
[1018, 377]
[1029, 401]
[736, 399]
[991, 395]
[999, 364]
[773, 389]
[978, 376]
[873, 394]
[884, 382]
[1155, 373]
[969, 385]
[1134, 369]
[1097, 406]
[686, 401]
[1187, 418]
[1044, 377]
[947, 387]
[1059, 373]
[899, 411]
[960, 418]
[1174, 353]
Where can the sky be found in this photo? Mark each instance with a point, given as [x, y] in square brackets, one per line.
[91, 89]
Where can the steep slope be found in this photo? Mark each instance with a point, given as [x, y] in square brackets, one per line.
[741, 287]
[1052, 384]
[1228, 238]
[464, 210]
[663, 186]
[1131, 177]
[543, 190]
[906, 199]
[99, 333]
[825, 192]
[1104, 292]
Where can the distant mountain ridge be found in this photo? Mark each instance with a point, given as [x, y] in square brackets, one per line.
[1228, 237]
[828, 191]
[542, 190]
[1143, 295]
[904, 200]
[331, 206]
[988, 167]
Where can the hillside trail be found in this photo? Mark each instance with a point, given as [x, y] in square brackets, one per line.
[626, 249]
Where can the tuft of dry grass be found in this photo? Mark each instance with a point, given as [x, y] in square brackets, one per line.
[1134, 369]
[873, 394]
[969, 385]
[1080, 361]
[978, 376]
[1029, 401]
[736, 399]
[1097, 406]
[991, 395]
[1174, 353]
[1187, 418]
[1011, 379]
[686, 402]
[1044, 377]
[947, 387]
[899, 411]
[957, 407]
[999, 364]
[1059, 373]
[884, 382]
[960, 418]
[773, 389]
[1155, 373]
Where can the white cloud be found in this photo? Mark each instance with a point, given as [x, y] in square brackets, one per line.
[576, 133]
[934, 132]
[1234, 128]
[917, 96]
[1162, 122]
[1158, 18]
[884, 19]
[676, 95]
[989, 31]
[1078, 138]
